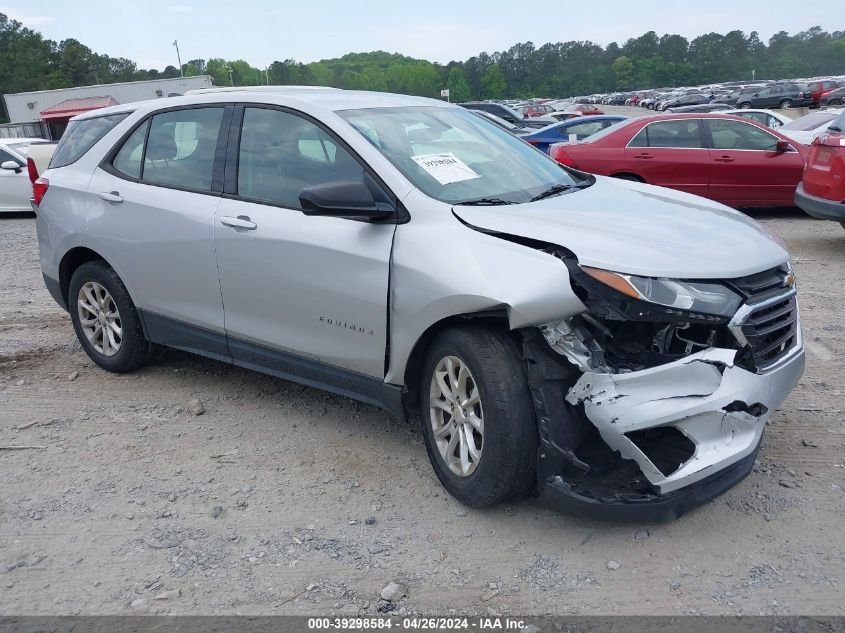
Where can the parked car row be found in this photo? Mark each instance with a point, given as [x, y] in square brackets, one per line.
[812, 92]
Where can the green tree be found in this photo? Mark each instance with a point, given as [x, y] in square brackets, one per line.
[623, 72]
[493, 83]
[457, 85]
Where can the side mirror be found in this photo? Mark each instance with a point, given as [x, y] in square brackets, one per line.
[11, 166]
[343, 199]
[782, 146]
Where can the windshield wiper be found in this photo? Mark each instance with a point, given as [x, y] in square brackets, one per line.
[557, 189]
[483, 202]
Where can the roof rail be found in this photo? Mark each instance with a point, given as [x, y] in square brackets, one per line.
[201, 91]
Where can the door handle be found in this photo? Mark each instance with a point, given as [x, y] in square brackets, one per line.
[240, 222]
[110, 196]
[724, 159]
[643, 156]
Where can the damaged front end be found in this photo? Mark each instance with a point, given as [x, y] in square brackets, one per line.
[654, 400]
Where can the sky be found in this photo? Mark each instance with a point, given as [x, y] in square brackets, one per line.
[262, 31]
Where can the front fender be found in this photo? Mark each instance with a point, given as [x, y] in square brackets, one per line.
[443, 268]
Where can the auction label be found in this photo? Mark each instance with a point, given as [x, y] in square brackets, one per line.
[416, 623]
[445, 168]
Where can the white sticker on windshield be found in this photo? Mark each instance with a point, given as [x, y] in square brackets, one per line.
[445, 168]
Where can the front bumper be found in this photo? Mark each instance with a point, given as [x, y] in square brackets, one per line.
[559, 495]
[720, 409]
[820, 208]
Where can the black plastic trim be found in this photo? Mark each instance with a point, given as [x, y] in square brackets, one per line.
[185, 336]
[55, 290]
[556, 494]
[317, 374]
[198, 340]
[819, 208]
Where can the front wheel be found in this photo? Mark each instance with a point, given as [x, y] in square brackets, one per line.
[835, 102]
[745, 105]
[105, 319]
[477, 415]
[785, 104]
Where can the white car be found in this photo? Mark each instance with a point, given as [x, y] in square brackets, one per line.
[806, 128]
[15, 186]
[769, 118]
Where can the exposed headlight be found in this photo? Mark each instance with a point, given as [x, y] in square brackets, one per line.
[693, 296]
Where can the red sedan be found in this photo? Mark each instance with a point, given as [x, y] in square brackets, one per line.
[586, 109]
[729, 159]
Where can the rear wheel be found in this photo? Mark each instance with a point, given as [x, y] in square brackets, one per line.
[477, 415]
[786, 104]
[835, 102]
[105, 319]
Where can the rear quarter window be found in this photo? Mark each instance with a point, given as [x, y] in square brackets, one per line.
[82, 135]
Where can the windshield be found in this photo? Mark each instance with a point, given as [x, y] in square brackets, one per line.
[20, 148]
[455, 157]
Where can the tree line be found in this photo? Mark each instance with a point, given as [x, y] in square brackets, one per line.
[31, 62]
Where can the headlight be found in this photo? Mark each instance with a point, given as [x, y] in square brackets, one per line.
[692, 296]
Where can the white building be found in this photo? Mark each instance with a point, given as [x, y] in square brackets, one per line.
[47, 111]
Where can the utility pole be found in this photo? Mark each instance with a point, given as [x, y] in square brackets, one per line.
[231, 76]
[179, 57]
[753, 74]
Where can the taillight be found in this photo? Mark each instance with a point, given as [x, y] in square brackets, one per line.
[32, 170]
[556, 151]
[39, 188]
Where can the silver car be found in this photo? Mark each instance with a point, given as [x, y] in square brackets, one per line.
[15, 185]
[614, 347]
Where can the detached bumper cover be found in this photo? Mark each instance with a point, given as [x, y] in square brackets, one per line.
[695, 395]
[720, 407]
[820, 208]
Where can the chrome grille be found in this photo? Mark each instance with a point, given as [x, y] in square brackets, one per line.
[771, 331]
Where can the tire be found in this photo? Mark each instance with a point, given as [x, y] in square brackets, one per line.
[745, 105]
[786, 104]
[96, 285]
[835, 102]
[506, 462]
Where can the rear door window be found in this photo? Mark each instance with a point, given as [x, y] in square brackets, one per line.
[128, 159]
[82, 135]
[181, 147]
[680, 134]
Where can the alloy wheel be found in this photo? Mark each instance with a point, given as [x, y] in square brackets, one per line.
[99, 318]
[457, 420]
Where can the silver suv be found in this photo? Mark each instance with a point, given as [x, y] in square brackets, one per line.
[613, 346]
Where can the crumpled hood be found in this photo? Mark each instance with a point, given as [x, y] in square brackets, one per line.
[641, 230]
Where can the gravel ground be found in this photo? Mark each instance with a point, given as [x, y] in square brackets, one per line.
[283, 499]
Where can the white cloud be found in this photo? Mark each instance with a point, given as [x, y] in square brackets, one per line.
[27, 20]
[181, 8]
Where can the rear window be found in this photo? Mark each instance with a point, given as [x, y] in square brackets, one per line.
[82, 135]
[810, 121]
[839, 124]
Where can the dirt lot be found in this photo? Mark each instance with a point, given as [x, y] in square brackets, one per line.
[260, 505]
